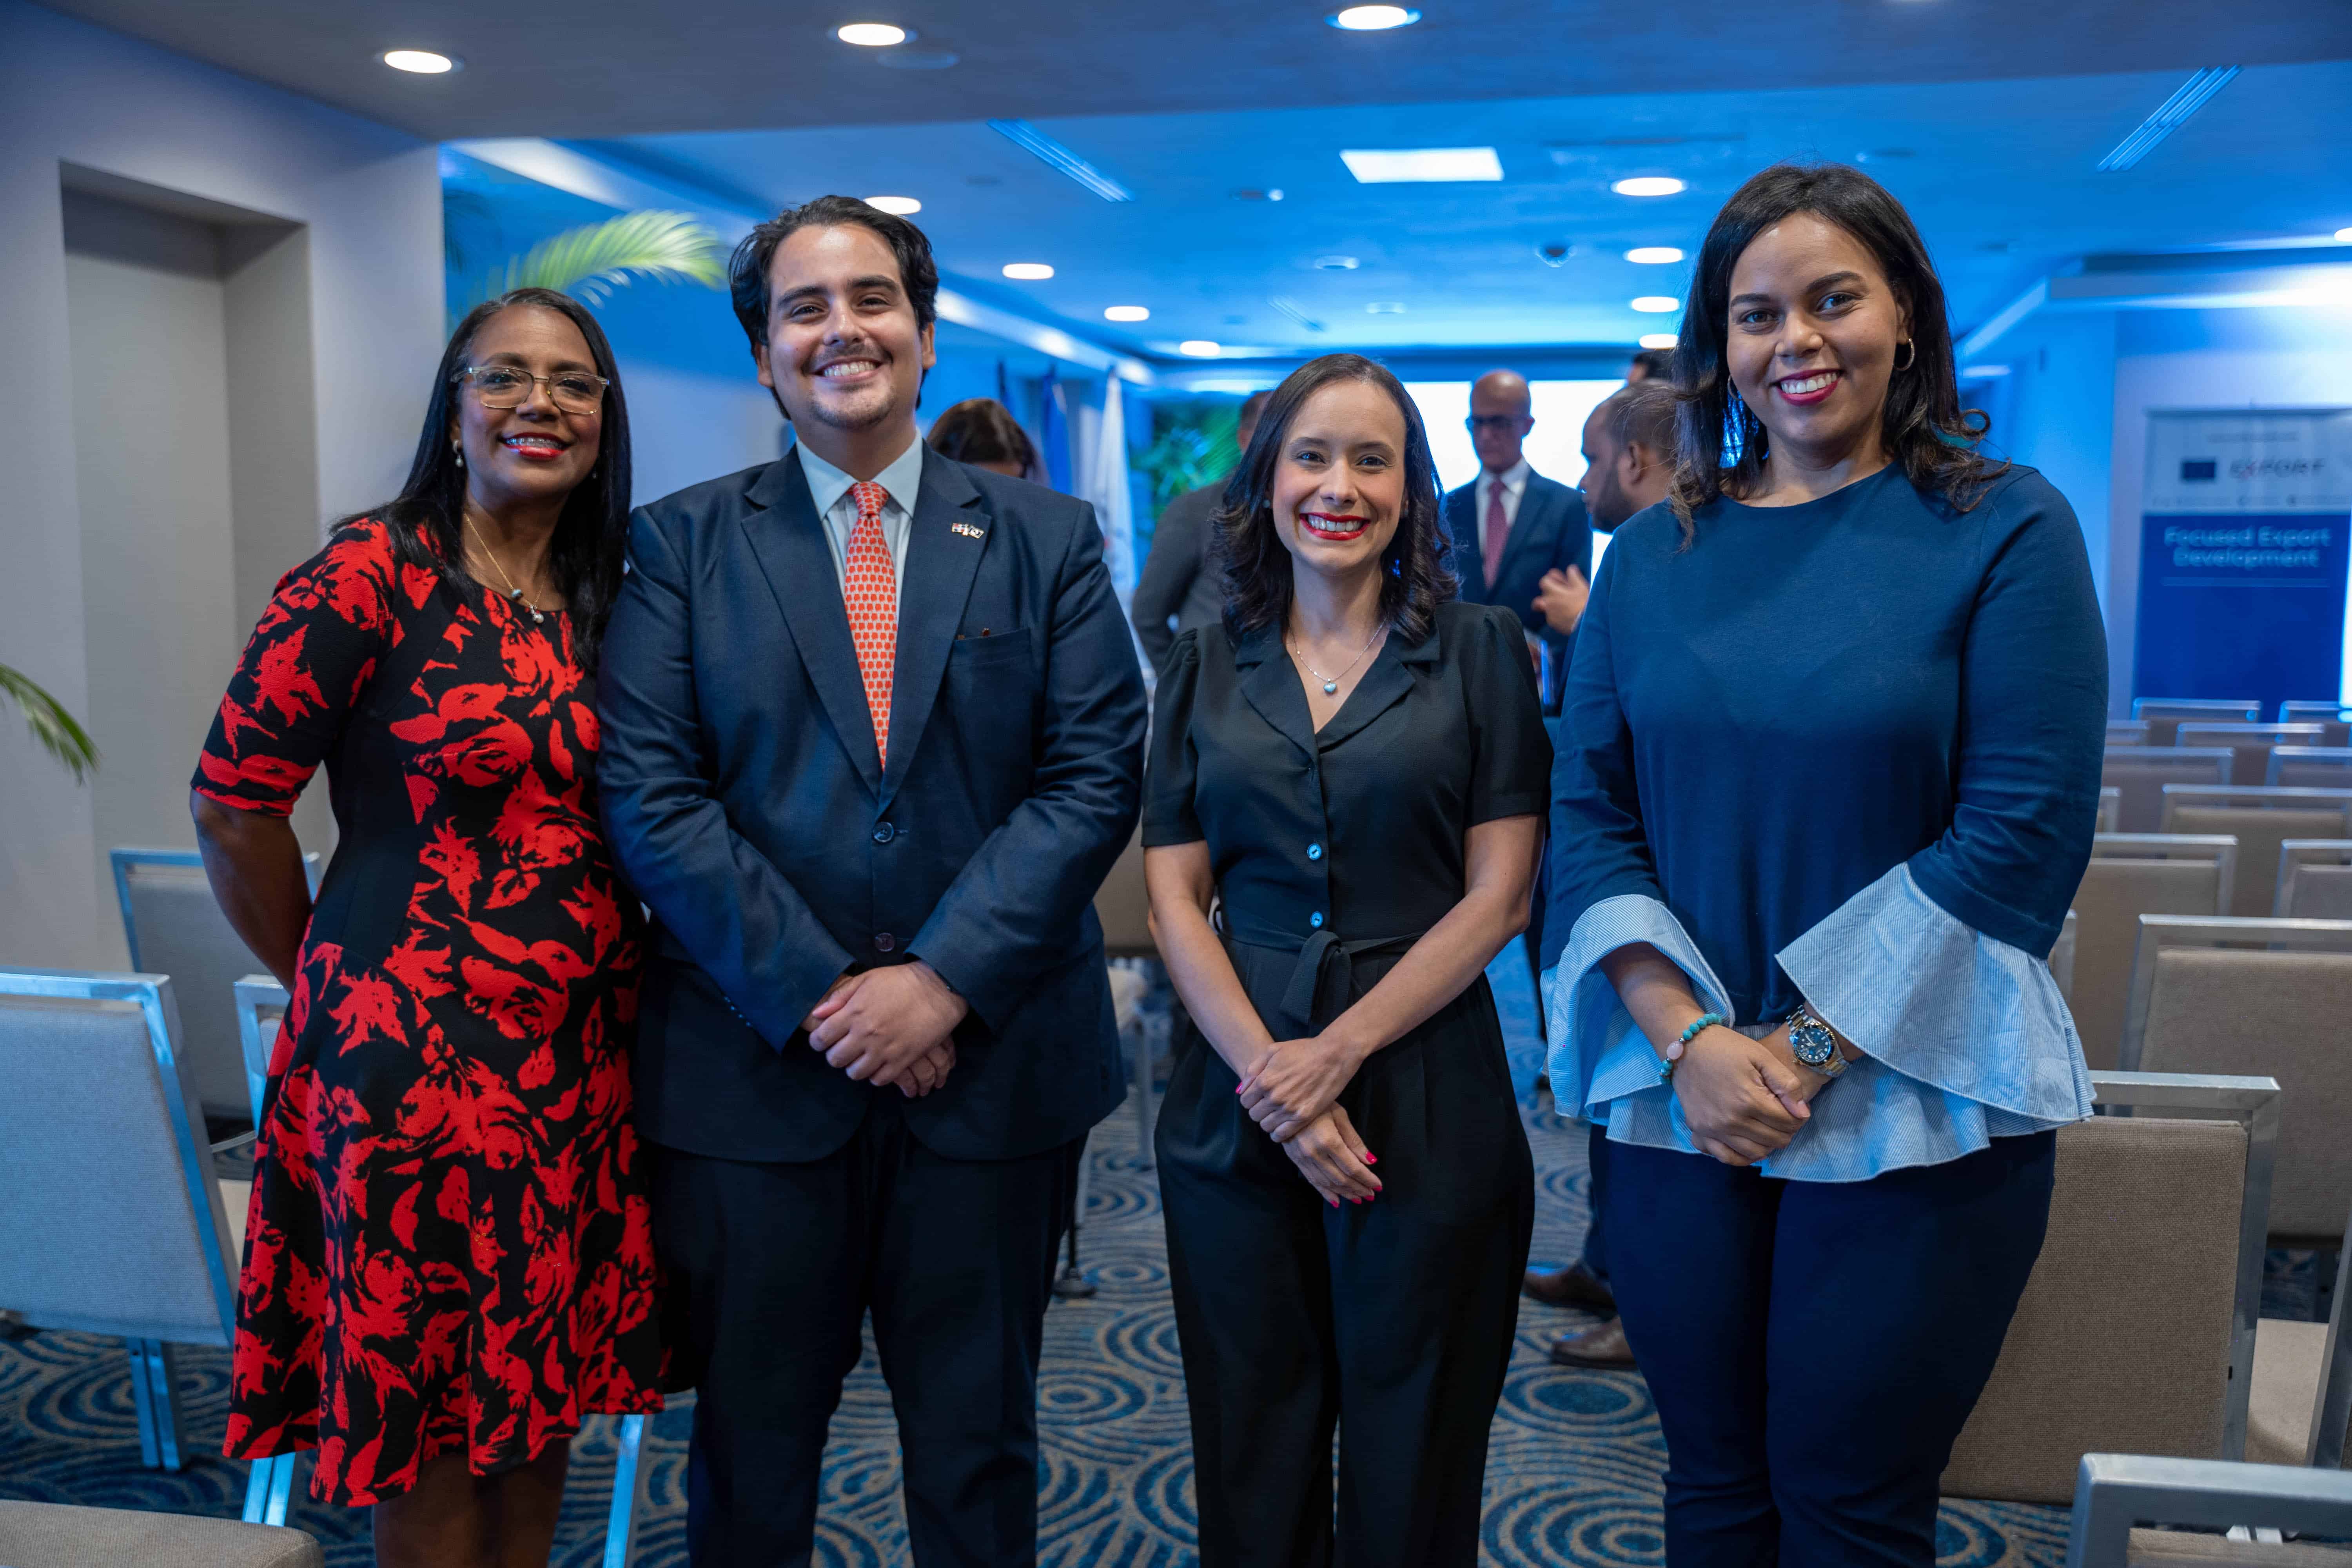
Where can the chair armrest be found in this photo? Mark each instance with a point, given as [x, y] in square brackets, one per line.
[2113, 1492]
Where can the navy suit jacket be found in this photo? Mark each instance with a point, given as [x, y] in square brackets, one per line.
[744, 798]
[1550, 532]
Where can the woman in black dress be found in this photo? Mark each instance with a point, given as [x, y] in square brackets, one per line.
[1356, 765]
[448, 1259]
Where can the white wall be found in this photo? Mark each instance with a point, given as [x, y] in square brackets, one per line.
[369, 201]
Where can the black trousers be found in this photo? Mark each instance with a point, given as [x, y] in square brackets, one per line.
[1815, 1348]
[1391, 1320]
[770, 1270]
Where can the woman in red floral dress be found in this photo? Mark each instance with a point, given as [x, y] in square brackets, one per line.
[447, 1257]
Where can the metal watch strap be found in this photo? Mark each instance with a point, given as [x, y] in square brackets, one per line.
[1805, 1021]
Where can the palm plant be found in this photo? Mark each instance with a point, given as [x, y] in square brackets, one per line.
[590, 262]
[57, 730]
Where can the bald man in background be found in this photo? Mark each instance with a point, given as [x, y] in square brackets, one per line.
[1628, 464]
[1513, 530]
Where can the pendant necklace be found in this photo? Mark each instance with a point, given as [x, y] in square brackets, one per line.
[1331, 682]
[514, 595]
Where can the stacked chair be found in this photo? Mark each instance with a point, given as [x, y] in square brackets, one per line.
[2131, 875]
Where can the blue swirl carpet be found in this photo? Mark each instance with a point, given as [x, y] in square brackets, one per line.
[1572, 1476]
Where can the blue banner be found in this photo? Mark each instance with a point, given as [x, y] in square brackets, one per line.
[2244, 555]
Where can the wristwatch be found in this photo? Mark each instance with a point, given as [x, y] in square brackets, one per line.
[1812, 1042]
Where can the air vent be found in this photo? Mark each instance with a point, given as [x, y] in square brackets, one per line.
[1060, 159]
[2170, 116]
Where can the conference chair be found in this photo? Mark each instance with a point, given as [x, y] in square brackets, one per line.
[2141, 773]
[116, 1222]
[52, 1535]
[2165, 714]
[2315, 879]
[2136, 1332]
[2117, 1493]
[2259, 995]
[173, 925]
[2299, 1413]
[2312, 767]
[2062, 957]
[2111, 809]
[2262, 819]
[2334, 718]
[2128, 731]
[1124, 907]
[2249, 745]
[2131, 875]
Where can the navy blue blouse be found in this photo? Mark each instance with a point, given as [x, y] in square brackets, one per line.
[1761, 726]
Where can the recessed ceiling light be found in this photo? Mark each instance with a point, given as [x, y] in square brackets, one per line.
[420, 62]
[1373, 18]
[1028, 271]
[2345, 235]
[1199, 348]
[1984, 372]
[1657, 304]
[905, 206]
[871, 34]
[1127, 314]
[1390, 166]
[1385, 308]
[1653, 254]
[1337, 263]
[1252, 193]
[1659, 340]
[1650, 185]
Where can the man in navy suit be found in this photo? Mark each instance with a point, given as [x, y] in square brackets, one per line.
[1519, 540]
[873, 736]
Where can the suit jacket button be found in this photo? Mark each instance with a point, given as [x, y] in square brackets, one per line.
[884, 832]
[883, 942]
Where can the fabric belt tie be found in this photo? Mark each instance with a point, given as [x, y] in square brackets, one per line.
[1317, 956]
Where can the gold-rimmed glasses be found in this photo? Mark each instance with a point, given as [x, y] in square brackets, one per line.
[509, 385]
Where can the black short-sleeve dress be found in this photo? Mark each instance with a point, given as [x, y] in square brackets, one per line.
[1334, 850]
[449, 1247]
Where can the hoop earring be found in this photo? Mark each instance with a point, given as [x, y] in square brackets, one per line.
[1907, 363]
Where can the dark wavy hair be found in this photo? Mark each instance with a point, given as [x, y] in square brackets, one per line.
[982, 430]
[747, 269]
[1256, 566]
[1722, 444]
[427, 519]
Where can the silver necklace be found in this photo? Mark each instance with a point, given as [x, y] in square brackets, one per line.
[514, 595]
[1331, 682]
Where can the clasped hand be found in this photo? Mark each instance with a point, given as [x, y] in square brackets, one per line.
[1742, 1098]
[1297, 1081]
[893, 1026]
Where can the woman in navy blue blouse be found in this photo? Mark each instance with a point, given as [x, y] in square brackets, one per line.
[1829, 771]
[1354, 762]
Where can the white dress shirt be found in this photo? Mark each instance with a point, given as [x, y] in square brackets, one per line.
[1514, 480]
[829, 487]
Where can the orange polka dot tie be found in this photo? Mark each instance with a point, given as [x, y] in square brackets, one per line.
[871, 593]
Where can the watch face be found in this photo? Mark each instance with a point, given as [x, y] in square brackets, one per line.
[1811, 1044]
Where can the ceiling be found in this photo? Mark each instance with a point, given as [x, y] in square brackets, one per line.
[1986, 117]
[619, 68]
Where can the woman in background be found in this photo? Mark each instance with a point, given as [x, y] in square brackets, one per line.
[448, 1259]
[983, 432]
[1355, 761]
[1830, 767]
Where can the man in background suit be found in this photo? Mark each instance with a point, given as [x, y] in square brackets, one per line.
[1519, 540]
[873, 736]
[1180, 576]
[1628, 464]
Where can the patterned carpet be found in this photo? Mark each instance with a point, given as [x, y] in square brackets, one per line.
[1572, 1477]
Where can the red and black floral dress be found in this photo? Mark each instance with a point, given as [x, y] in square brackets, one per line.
[448, 1248]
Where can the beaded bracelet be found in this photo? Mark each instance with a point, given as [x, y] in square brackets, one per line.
[1674, 1052]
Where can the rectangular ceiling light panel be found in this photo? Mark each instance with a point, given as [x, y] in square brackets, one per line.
[1421, 164]
[2170, 116]
[1060, 159]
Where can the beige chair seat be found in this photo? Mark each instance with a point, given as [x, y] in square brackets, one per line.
[2287, 1360]
[50, 1535]
[2185, 1549]
[235, 1196]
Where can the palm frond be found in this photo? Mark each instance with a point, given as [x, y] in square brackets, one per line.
[590, 262]
[52, 726]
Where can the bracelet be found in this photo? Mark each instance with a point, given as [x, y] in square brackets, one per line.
[1674, 1052]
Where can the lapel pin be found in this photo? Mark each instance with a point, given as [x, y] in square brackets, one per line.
[968, 529]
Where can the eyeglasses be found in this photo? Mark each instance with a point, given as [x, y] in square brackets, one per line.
[1477, 422]
[510, 386]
